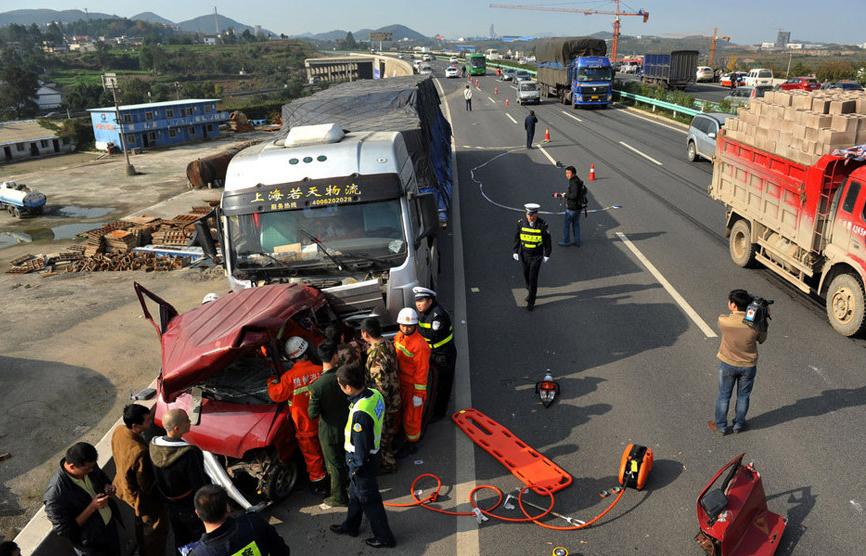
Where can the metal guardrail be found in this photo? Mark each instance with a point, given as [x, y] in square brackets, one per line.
[655, 103]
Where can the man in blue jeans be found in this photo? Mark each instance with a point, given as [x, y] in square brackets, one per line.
[575, 201]
[738, 356]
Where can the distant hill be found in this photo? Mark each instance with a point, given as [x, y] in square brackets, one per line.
[204, 24]
[151, 17]
[398, 31]
[45, 16]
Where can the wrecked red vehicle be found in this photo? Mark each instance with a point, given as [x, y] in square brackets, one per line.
[216, 360]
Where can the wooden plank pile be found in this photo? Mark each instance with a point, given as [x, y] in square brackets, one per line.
[801, 126]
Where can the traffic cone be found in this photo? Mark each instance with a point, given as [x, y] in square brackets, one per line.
[506, 103]
[592, 172]
[496, 91]
[547, 135]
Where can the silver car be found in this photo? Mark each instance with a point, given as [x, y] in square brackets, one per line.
[742, 95]
[701, 139]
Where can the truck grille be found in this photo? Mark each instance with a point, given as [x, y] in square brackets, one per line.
[593, 90]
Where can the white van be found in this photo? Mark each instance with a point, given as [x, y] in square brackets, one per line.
[758, 76]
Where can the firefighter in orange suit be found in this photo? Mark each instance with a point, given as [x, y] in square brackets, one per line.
[413, 360]
[293, 387]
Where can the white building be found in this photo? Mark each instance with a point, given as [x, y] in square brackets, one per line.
[23, 139]
[48, 97]
[794, 46]
[768, 45]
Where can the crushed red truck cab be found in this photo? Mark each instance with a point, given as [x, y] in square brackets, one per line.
[216, 360]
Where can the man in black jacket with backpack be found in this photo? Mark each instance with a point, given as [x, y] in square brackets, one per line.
[575, 201]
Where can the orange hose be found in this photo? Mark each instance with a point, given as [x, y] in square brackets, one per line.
[488, 511]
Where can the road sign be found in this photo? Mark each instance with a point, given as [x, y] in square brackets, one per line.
[381, 37]
[109, 81]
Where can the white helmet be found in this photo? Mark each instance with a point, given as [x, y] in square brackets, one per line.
[407, 315]
[209, 297]
[296, 346]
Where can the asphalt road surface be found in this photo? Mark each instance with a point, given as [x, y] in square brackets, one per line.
[635, 358]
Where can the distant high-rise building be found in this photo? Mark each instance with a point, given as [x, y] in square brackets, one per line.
[492, 32]
[783, 38]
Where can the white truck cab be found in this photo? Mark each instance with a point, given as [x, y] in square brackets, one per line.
[338, 211]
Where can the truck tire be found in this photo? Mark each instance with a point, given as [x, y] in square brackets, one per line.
[845, 305]
[691, 152]
[279, 481]
[740, 244]
[16, 212]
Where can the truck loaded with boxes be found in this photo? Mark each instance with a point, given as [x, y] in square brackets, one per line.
[793, 182]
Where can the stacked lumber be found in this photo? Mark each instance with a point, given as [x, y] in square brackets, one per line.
[801, 126]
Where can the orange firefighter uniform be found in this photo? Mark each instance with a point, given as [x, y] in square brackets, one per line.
[293, 387]
[413, 358]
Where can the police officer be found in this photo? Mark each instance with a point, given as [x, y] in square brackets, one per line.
[532, 246]
[363, 435]
[435, 326]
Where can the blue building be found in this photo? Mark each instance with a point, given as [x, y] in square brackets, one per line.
[158, 124]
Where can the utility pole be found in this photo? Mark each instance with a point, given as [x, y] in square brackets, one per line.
[109, 81]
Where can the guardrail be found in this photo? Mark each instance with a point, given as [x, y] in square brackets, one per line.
[655, 103]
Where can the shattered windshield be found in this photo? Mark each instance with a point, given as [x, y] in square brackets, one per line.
[243, 381]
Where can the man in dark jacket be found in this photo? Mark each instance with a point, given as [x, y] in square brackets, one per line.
[78, 503]
[532, 246]
[529, 126]
[245, 534]
[178, 468]
[575, 201]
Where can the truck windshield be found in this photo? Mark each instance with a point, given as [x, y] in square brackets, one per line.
[594, 74]
[348, 233]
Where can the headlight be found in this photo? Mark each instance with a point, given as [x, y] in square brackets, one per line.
[579, 98]
[609, 97]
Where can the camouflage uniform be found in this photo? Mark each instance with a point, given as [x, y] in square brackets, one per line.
[382, 374]
[351, 352]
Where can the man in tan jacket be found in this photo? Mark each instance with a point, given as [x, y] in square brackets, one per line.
[135, 483]
[738, 356]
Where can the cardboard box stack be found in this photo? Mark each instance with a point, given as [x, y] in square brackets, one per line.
[800, 125]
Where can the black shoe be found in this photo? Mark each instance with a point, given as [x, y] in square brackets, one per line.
[340, 530]
[376, 543]
[741, 429]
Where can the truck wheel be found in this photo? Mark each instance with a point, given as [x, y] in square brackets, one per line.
[16, 212]
[279, 481]
[845, 305]
[692, 153]
[740, 244]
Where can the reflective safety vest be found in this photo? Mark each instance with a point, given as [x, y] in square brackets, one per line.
[374, 406]
[440, 343]
[530, 238]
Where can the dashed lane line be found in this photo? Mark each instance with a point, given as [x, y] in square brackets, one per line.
[544, 152]
[510, 118]
[572, 116]
[646, 156]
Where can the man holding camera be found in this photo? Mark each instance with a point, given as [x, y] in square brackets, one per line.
[738, 356]
[575, 201]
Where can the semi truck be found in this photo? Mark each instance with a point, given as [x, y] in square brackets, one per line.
[349, 206]
[19, 200]
[806, 223]
[575, 70]
[676, 70]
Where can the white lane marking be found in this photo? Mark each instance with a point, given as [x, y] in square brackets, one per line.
[646, 156]
[684, 305]
[544, 152]
[510, 118]
[650, 120]
[493, 100]
[467, 539]
[572, 116]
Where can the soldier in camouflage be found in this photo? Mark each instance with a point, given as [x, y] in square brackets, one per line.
[382, 374]
[349, 348]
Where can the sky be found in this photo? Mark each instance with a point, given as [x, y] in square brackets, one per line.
[746, 21]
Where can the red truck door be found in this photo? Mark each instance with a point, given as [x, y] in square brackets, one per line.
[851, 218]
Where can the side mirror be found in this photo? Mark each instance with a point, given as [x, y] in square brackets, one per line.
[428, 210]
[204, 239]
[711, 135]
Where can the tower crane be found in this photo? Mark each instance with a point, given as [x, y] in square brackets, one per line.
[616, 12]
[713, 40]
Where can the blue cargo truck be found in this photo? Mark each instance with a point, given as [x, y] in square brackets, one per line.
[575, 70]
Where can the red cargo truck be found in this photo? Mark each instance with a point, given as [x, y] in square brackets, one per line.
[806, 223]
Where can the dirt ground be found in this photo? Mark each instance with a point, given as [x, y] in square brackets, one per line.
[73, 347]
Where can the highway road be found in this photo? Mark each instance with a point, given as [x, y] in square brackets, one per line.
[627, 324]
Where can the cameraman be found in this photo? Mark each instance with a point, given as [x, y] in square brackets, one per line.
[738, 356]
[575, 200]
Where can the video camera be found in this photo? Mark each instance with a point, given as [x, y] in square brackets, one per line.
[758, 314]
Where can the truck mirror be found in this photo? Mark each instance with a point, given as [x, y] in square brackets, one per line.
[429, 211]
[204, 239]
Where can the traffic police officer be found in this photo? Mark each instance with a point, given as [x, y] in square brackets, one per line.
[363, 436]
[532, 246]
[435, 326]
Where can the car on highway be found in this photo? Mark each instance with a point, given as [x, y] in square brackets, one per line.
[425, 69]
[528, 92]
[800, 84]
[742, 95]
[629, 67]
[452, 71]
[704, 74]
[522, 75]
[845, 85]
[453, 60]
[758, 76]
[507, 74]
[701, 138]
[217, 359]
[426, 58]
[735, 78]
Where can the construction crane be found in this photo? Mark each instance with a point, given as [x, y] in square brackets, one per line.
[617, 13]
[713, 39]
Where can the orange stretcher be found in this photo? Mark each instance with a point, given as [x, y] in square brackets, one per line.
[533, 469]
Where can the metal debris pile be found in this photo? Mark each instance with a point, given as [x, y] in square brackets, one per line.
[135, 243]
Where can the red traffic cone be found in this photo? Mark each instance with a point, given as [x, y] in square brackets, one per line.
[592, 172]
[547, 135]
[506, 103]
[496, 91]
